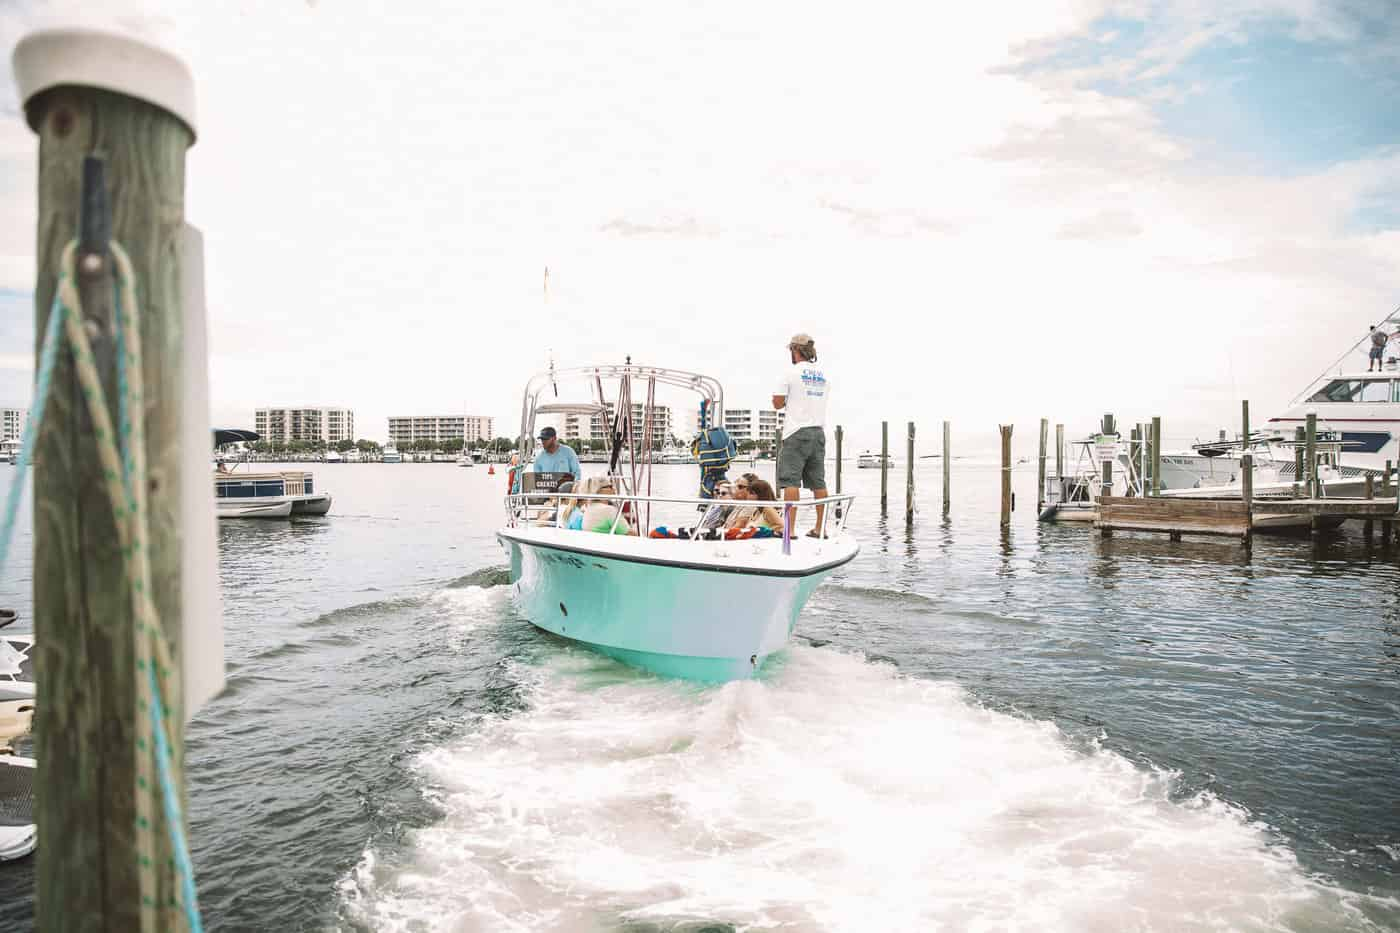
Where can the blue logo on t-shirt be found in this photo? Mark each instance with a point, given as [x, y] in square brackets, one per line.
[814, 381]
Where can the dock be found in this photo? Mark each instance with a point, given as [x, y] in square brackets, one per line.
[1233, 516]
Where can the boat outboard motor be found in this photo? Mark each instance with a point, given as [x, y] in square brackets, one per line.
[714, 450]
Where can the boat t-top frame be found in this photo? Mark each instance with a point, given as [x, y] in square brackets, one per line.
[616, 413]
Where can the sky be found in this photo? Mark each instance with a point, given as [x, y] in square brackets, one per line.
[1024, 210]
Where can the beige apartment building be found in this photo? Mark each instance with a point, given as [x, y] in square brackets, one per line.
[12, 421]
[407, 429]
[305, 423]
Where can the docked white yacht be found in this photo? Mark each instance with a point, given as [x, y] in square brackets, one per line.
[869, 460]
[390, 454]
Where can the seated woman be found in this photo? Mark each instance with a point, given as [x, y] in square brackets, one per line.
[603, 516]
[751, 488]
[716, 514]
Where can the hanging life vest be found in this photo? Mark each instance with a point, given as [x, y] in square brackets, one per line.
[714, 450]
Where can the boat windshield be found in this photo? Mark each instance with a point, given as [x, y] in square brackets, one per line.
[1355, 390]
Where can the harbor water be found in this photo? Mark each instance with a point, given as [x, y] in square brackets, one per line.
[972, 729]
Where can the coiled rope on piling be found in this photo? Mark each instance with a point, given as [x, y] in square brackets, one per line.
[122, 457]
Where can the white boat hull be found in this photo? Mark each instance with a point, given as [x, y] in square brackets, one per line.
[700, 610]
[18, 835]
[316, 503]
[279, 507]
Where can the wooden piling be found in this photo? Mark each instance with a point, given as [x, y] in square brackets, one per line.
[1368, 527]
[1005, 474]
[1060, 455]
[1386, 493]
[86, 728]
[839, 438]
[884, 466]
[1311, 456]
[947, 467]
[1247, 493]
[1156, 456]
[1106, 429]
[1040, 469]
[1135, 458]
[1244, 426]
[909, 479]
[1300, 435]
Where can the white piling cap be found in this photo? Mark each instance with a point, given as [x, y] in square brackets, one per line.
[107, 60]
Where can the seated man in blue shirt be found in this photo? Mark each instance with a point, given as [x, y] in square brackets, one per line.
[557, 457]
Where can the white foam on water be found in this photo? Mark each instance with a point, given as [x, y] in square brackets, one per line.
[835, 795]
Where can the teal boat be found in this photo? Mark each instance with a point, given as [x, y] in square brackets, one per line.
[669, 590]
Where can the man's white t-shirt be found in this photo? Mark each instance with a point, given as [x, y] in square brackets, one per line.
[806, 387]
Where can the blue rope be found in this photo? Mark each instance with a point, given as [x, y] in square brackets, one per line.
[47, 356]
[172, 808]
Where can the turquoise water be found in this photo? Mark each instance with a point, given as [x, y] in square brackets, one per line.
[971, 728]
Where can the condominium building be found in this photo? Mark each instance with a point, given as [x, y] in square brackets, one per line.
[753, 424]
[12, 421]
[407, 429]
[305, 423]
[660, 424]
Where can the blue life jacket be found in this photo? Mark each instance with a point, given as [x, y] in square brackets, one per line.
[713, 449]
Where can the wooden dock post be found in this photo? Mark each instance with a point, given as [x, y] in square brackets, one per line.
[1244, 426]
[1247, 493]
[839, 434]
[1311, 456]
[884, 466]
[1107, 429]
[1040, 470]
[1135, 458]
[1386, 493]
[947, 467]
[1300, 476]
[1060, 459]
[1156, 456]
[91, 742]
[909, 480]
[1368, 527]
[1006, 474]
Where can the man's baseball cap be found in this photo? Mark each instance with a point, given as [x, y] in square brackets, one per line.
[802, 342]
[547, 433]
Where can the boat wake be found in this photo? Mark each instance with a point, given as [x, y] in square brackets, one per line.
[833, 794]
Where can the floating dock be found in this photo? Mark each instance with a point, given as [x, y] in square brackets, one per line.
[1233, 516]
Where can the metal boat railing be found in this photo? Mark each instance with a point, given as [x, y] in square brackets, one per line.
[536, 509]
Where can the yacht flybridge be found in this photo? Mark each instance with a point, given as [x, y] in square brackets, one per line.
[672, 585]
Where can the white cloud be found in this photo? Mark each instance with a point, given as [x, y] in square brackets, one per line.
[381, 186]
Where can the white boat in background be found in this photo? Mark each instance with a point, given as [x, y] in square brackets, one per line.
[709, 606]
[675, 455]
[18, 834]
[869, 460]
[390, 454]
[353, 455]
[16, 685]
[333, 456]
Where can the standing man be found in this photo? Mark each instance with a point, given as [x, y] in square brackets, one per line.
[557, 457]
[1379, 339]
[803, 392]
